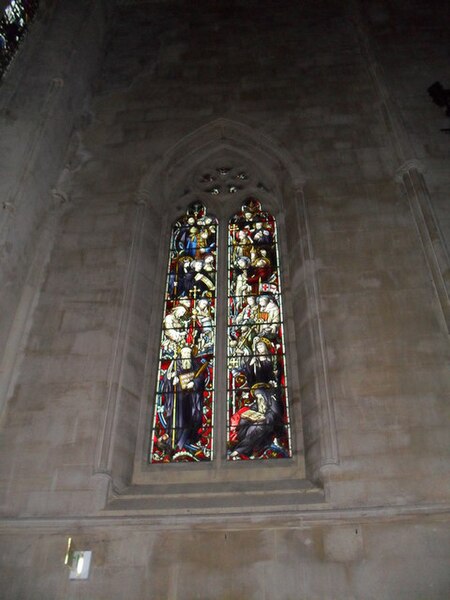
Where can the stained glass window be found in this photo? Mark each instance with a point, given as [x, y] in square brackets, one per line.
[258, 412]
[183, 419]
[14, 22]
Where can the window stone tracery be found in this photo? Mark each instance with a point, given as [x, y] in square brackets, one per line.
[258, 425]
[170, 186]
[224, 178]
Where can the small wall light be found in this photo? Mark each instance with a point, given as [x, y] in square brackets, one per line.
[78, 561]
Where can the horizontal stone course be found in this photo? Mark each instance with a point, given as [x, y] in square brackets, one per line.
[341, 92]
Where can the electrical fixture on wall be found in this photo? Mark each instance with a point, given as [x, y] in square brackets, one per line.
[78, 561]
[441, 97]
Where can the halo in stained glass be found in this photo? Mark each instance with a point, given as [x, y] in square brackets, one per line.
[258, 424]
[184, 400]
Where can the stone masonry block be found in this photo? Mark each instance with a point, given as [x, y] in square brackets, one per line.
[344, 544]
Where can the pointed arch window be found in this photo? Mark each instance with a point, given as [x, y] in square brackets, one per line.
[220, 166]
[252, 409]
[184, 404]
[258, 415]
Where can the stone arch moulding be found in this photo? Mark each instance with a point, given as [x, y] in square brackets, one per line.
[121, 446]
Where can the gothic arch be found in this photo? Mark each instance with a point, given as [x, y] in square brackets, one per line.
[121, 450]
[222, 136]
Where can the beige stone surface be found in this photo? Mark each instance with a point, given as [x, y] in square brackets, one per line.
[326, 105]
[363, 561]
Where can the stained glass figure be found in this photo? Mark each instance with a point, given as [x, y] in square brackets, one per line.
[258, 412]
[14, 23]
[183, 419]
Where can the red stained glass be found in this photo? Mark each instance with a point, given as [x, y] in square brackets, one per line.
[184, 399]
[258, 410]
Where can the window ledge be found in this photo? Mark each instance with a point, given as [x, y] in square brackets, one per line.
[226, 497]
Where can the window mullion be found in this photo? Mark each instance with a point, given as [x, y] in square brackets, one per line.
[220, 448]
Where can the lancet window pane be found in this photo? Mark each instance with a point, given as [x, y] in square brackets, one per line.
[258, 411]
[14, 21]
[184, 402]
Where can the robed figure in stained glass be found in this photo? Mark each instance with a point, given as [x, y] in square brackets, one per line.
[183, 390]
[258, 412]
[183, 418]
[255, 427]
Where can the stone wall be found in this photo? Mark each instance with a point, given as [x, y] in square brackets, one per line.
[395, 560]
[43, 95]
[321, 94]
[413, 34]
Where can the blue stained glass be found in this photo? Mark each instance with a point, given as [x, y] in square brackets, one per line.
[14, 22]
[258, 410]
[184, 400]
